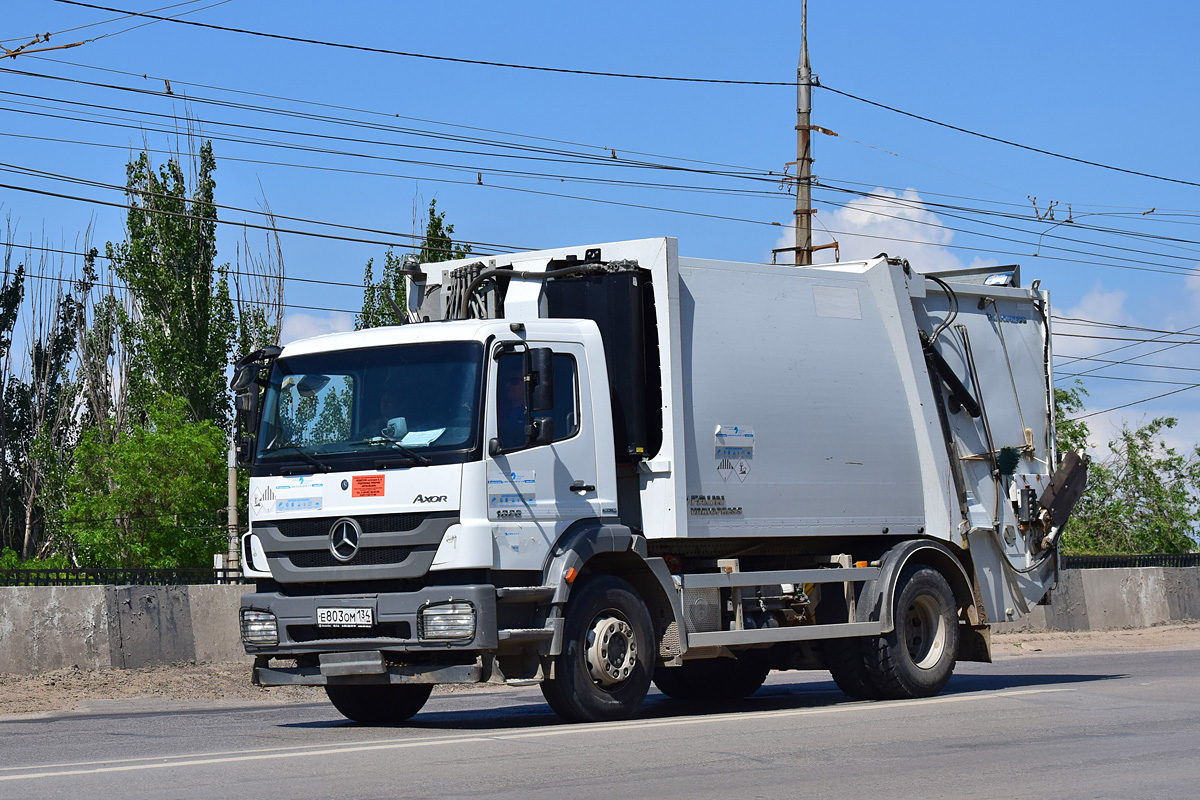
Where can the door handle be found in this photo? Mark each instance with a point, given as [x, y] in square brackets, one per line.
[582, 488]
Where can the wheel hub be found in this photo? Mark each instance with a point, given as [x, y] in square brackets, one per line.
[611, 651]
[925, 632]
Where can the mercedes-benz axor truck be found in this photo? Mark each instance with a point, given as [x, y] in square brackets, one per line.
[598, 467]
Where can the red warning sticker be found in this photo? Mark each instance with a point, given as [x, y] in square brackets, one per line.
[367, 486]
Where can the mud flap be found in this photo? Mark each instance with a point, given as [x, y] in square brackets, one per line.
[975, 643]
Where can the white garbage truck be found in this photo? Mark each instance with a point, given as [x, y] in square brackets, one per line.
[594, 468]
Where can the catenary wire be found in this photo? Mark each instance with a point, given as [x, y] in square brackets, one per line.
[988, 137]
[453, 59]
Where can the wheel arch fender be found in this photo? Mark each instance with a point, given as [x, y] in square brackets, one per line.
[595, 547]
[877, 601]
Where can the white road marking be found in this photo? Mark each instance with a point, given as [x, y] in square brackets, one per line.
[310, 751]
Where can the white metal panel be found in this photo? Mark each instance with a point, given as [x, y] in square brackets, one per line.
[803, 360]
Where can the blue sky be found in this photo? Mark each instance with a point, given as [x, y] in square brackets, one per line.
[1091, 80]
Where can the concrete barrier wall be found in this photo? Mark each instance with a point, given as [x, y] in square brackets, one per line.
[1108, 599]
[100, 627]
[45, 628]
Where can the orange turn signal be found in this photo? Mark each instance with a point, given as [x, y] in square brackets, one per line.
[570, 574]
[861, 563]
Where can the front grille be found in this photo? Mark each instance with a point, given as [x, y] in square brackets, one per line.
[366, 557]
[384, 630]
[372, 523]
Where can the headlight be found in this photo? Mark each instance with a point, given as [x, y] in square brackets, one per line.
[454, 620]
[259, 628]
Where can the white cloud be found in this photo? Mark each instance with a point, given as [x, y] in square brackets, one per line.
[897, 224]
[302, 325]
[1192, 285]
[1099, 305]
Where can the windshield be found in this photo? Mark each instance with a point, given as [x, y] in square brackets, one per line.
[418, 402]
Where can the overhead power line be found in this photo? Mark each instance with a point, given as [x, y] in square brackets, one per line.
[1128, 363]
[1124, 378]
[988, 137]
[1135, 402]
[1156, 340]
[1122, 338]
[37, 173]
[44, 38]
[673, 78]
[106, 285]
[236, 224]
[392, 115]
[453, 59]
[608, 158]
[96, 24]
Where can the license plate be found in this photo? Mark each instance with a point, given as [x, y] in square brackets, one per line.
[345, 617]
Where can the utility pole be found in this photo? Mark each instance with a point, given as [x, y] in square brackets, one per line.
[804, 82]
[231, 513]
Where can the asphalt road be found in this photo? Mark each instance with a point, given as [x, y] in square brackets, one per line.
[1121, 725]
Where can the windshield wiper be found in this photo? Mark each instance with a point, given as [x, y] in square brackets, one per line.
[305, 455]
[415, 456]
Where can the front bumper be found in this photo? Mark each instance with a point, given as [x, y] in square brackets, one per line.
[395, 629]
[371, 667]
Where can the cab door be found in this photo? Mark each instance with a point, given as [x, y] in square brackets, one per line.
[536, 491]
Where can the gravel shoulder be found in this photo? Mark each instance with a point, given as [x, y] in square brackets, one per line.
[191, 684]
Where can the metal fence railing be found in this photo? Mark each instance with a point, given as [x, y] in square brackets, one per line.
[119, 577]
[1120, 561]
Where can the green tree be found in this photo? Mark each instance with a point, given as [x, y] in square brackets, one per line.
[12, 293]
[182, 328]
[153, 497]
[378, 297]
[383, 301]
[37, 403]
[1143, 498]
[114, 406]
[437, 244]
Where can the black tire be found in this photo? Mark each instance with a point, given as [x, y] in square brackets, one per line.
[611, 608]
[674, 683]
[846, 660]
[379, 704]
[917, 657]
[713, 679]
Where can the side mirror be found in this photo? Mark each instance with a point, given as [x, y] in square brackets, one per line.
[543, 430]
[541, 378]
[245, 376]
[245, 450]
[246, 403]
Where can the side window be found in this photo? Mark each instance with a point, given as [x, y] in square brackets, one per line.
[566, 397]
[510, 399]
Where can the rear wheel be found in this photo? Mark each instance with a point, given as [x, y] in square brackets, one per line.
[714, 679]
[608, 654]
[846, 660]
[379, 704]
[917, 657]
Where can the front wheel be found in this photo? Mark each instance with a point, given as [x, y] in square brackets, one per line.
[917, 657]
[608, 656]
[379, 704]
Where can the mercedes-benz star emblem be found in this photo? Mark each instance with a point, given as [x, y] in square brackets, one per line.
[344, 537]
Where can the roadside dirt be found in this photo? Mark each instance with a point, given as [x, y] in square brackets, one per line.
[229, 684]
[1184, 636]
